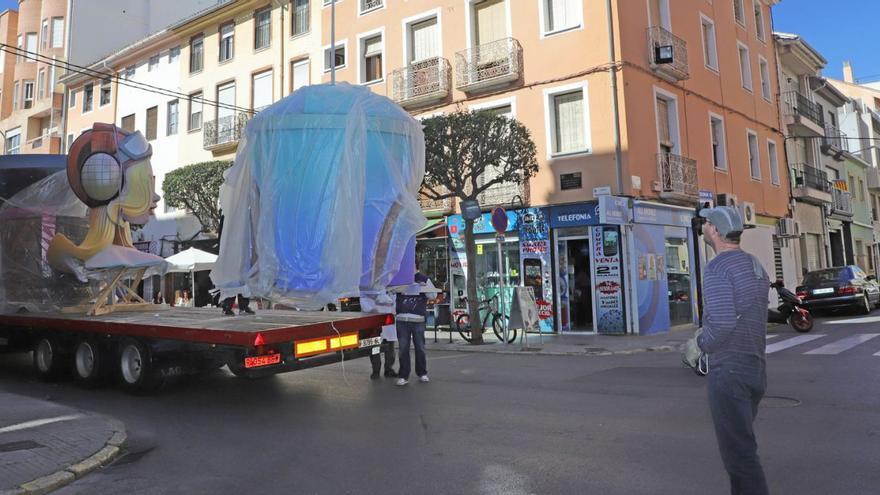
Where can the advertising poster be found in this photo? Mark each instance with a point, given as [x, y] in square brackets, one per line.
[608, 281]
[534, 246]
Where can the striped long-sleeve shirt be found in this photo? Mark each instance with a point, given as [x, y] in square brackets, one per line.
[735, 299]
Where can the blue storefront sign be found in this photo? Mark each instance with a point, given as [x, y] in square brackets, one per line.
[576, 215]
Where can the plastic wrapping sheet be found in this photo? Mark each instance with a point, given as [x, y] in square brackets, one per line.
[321, 202]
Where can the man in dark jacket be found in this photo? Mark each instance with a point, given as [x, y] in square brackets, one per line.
[412, 310]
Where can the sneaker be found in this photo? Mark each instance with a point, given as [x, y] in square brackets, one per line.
[374, 375]
[391, 374]
[247, 311]
[228, 312]
[401, 382]
[424, 379]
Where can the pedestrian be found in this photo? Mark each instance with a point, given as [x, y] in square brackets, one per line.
[412, 309]
[735, 298]
[382, 303]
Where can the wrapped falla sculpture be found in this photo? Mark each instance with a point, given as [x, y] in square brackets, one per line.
[321, 202]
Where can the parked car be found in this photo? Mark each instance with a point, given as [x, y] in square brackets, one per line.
[840, 287]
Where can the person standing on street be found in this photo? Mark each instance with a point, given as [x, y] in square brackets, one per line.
[382, 303]
[735, 298]
[412, 310]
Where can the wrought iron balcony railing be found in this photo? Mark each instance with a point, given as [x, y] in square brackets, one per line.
[841, 202]
[433, 204]
[796, 104]
[811, 177]
[421, 82]
[501, 194]
[668, 53]
[835, 138]
[368, 5]
[678, 176]
[225, 131]
[488, 65]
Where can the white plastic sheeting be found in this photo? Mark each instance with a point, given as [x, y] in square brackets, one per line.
[321, 202]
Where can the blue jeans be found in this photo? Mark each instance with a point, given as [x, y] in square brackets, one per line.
[735, 390]
[415, 331]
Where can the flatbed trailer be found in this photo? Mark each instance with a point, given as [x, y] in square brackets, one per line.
[145, 348]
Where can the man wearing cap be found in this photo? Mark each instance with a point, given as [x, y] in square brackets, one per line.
[412, 309]
[735, 300]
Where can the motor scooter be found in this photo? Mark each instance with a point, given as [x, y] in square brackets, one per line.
[791, 310]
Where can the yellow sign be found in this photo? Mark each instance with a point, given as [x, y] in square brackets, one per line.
[479, 249]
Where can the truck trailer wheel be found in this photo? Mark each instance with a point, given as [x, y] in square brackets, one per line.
[136, 371]
[49, 362]
[89, 363]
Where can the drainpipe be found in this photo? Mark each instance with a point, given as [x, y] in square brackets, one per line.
[283, 62]
[614, 100]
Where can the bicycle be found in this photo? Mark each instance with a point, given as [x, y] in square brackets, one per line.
[490, 307]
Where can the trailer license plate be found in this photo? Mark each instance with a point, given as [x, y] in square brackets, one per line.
[827, 290]
[370, 342]
[257, 361]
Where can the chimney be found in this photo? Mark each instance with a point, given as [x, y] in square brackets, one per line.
[848, 72]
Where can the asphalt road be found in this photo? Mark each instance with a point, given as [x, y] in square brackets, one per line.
[494, 424]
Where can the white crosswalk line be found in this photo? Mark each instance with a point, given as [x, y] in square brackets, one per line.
[772, 336]
[785, 344]
[844, 344]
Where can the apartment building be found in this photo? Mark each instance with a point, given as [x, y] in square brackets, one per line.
[670, 103]
[34, 121]
[8, 33]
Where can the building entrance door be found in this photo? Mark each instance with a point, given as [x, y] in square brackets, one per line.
[575, 292]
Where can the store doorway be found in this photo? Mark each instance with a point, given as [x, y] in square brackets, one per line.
[575, 300]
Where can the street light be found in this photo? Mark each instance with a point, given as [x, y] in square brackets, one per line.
[839, 154]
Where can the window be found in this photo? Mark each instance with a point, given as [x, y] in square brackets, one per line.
[28, 97]
[13, 142]
[754, 159]
[765, 77]
[88, 97]
[31, 45]
[41, 83]
[568, 119]
[745, 67]
[171, 124]
[710, 50]
[129, 72]
[667, 123]
[195, 111]
[227, 41]
[774, 162]
[739, 12]
[57, 32]
[15, 96]
[20, 46]
[196, 53]
[70, 139]
[301, 74]
[371, 60]
[424, 40]
[719, 153]
[262, 90]
[225, 112]
[759, 22]
[262, 28]
[337, 58]
[2, 60]
[71, 99]
[861, 189]
[560, 15]
[128, 123]
[152, 123]
[44, 34]
[153, 64]
[173, 54]
[299, 17]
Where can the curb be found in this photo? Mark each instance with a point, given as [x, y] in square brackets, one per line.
[660, 348]
[56, 480]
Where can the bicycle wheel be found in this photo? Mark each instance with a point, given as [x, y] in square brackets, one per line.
[499, 330]
[463, 325]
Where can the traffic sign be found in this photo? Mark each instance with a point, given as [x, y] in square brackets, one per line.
[499, 219]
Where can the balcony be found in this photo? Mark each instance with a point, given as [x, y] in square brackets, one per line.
[841, 204]
[811, 185]
[873, 179]
[488, 66]
[678, 178]
[443, 205]
[667, 54]
[501, 194]
[802, 115]
[421, 83]
[45, 144]
[834, 143]
[223, 134]
[369, 5]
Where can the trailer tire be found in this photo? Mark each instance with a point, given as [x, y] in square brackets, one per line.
[136, 371]
[49, 361]
[89, 363]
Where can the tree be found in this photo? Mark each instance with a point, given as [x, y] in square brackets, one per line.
[196, 187]
[466, 153]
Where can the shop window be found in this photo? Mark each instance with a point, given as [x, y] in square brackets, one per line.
[678, 279]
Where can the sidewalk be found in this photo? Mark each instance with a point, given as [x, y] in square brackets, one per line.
[44, 445]
[566, 344]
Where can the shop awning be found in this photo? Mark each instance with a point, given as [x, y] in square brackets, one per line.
[431, 225]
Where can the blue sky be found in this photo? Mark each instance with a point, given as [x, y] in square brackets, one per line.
[839, 33]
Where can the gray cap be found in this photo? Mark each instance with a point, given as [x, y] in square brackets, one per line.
[726, 219]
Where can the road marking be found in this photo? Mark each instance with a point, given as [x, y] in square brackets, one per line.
[772, 336]
[39, 422]
[867, 319]
[785, 344]
[843, 344]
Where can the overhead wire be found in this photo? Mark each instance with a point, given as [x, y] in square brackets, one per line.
[37, 57]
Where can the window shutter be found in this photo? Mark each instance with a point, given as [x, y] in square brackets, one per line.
[424, 40]
[226, 96]
[491, 21]
[569, 122]
[152, 122]
[262, 90]
[373, 46]
[663, 121]
[301, 75]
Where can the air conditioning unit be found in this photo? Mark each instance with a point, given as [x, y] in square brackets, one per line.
[747, 210]
[788, 228]
[727, 199]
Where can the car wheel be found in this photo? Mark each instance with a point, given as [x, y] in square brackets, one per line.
[865, 305]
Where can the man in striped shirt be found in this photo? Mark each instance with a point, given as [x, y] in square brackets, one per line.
[735, 300]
